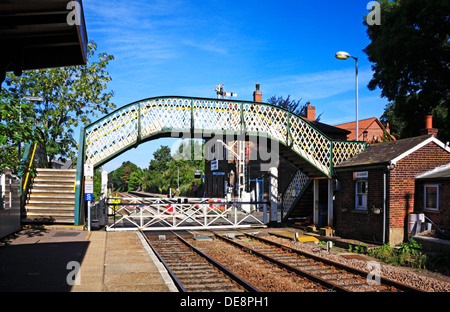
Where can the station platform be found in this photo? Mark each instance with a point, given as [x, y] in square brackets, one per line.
[45, 259]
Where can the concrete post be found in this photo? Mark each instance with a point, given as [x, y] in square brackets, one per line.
[273, 196]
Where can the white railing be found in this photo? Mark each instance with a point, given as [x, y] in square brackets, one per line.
[153, 214]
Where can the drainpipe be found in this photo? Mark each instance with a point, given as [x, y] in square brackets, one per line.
[384, 206]
[391, 166]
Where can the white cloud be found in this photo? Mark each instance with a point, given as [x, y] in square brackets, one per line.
[314, 86]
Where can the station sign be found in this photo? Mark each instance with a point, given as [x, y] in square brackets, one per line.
[361, 175]
[88, 170]
[89, 190]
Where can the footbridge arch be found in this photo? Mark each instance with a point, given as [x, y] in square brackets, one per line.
[156, 117]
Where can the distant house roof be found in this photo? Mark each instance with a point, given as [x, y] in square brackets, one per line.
[439, 172]
[390, 152]
[363, 125]
[327, 129]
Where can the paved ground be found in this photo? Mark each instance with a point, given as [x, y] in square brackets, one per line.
[47, 259]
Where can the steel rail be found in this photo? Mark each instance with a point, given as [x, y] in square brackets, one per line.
[242, 283]
[384, 281]
[247, 286]
[169, 271]
[285, 266]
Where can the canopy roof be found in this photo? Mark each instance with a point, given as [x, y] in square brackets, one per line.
[38, 34]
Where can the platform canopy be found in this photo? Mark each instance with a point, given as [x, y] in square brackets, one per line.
[38, 34]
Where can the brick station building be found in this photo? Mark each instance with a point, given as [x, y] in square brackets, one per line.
[433, 196]
[378, 187]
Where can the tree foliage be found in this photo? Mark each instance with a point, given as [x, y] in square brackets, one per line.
[72, 96]
[12, 131]
[410, 52]
[163, 172]
[292, 106]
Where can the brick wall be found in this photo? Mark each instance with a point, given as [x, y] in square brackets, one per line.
[359, 224]
[402, 182]
[375, 133]
[442, 217]
[400, 197]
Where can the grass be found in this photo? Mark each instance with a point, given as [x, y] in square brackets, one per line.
[407, 254]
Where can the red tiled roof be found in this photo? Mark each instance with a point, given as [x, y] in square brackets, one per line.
[363, 125]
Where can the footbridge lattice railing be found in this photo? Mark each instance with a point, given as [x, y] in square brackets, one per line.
[139, 121]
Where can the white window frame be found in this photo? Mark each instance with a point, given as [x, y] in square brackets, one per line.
[425, 197]
[358, 207]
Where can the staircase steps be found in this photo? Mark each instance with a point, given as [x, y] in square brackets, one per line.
[51, 198]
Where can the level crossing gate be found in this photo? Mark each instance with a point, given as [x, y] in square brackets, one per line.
[152, 118]
[159, 213]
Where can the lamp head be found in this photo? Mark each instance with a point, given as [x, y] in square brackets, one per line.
[341, 55]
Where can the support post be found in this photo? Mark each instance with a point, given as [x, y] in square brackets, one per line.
[103, 200]
[316, 202]
[273, 196]
[330, 203]
[79, 190]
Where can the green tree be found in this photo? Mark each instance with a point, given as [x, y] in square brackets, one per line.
[12, 131]
[72, 95]
[135, 180]
[410, 52]
[292, 106]
[162, 158]
[120, 177]
[162, 174]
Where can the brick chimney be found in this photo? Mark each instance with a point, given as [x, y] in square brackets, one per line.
[257, 95]
[310, 112]
[429, 127]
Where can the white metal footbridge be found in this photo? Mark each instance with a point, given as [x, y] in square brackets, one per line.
[300, 142]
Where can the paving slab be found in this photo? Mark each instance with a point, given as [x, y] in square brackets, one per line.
[72, 260]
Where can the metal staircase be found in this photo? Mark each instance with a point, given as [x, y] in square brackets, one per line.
[51, 199]
[298, 185]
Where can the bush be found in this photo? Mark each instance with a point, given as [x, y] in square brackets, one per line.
[407, 254]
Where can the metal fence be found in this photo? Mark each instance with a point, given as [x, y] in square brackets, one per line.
[153, 214]
[9, 203]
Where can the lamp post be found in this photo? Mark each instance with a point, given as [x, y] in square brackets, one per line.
[341, 55]
[178, 169]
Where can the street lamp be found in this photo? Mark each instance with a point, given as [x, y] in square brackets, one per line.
[341, 55]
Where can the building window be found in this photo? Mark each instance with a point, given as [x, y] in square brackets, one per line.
[361, 195]
[431, 197]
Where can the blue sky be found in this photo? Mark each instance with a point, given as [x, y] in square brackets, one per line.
[186, 48]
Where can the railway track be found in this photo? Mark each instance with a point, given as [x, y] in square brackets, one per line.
[330, 274]
[192, 270]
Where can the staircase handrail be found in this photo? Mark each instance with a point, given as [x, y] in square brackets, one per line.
[295, 189]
